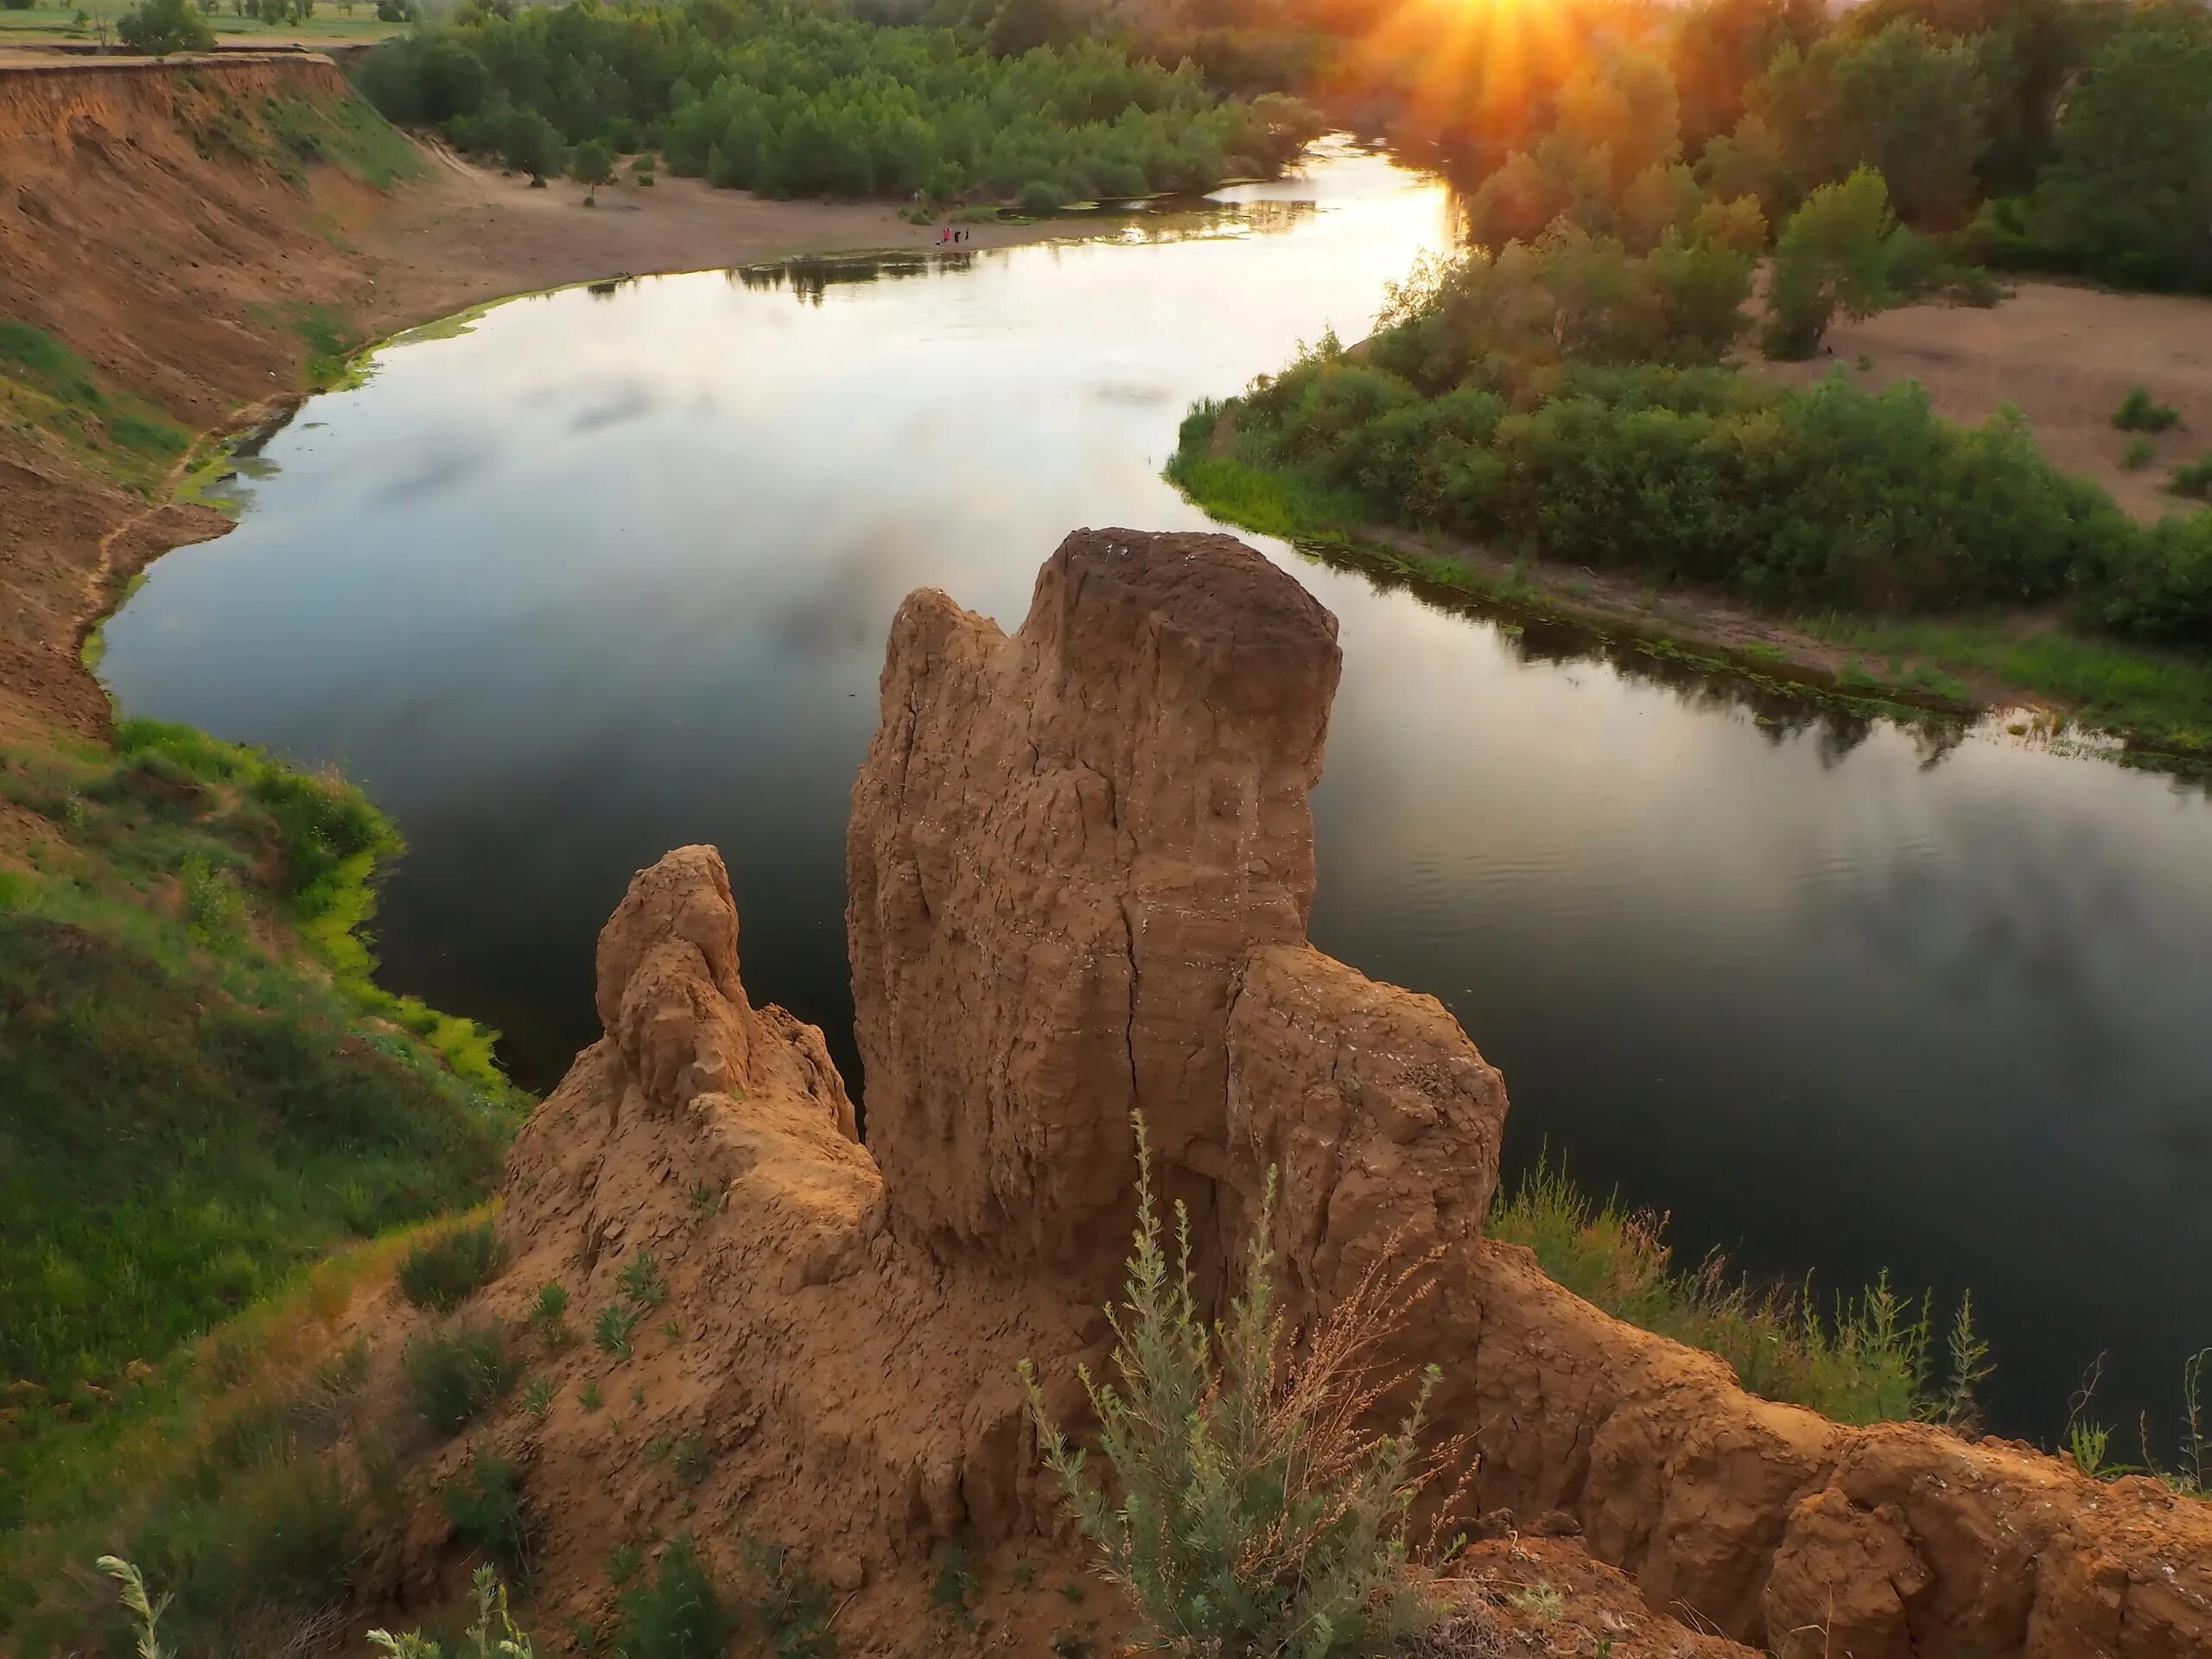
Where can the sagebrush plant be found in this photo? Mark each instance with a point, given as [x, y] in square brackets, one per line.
[494, 1636]
[1255, 1508]
[2139, 412]
[448, 1267]
[485, 1502]
[454, 1379]
[678, 1613]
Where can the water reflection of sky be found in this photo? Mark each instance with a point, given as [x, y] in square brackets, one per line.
[606, 573]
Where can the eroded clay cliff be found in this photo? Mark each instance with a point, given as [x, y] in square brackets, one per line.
[1081, 862]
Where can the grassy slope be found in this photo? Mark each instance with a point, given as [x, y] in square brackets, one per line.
[205, 1091]
[207, 1094]
[2157, 700]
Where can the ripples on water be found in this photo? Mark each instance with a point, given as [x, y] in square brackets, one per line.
[590, 575]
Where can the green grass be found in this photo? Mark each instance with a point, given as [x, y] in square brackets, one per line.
[48, 389]
[1270, 500]
[678, 1613]
[2163, 699]
[211, 1475]
[196, 1111]
[485, 1504]
[1867, 1358]
[448, 1267]
[331, 339]
[347, 133]
[454, 1379]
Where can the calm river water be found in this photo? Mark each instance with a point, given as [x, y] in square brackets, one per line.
[607, 573]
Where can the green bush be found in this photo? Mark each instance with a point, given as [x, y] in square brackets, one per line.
[484, 1500]
[1513, 402]
[454, 1379]
[2193, 479]
[806, 101]
[1249, 1510]
[791, 1609]
[677, 1613]
[1836, 252]
[2139, 412]
[445, 1269]
[2140, 452]
[160, 27]
[1040, 197]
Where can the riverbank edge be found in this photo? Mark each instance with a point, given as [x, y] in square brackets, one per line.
[1699, 631]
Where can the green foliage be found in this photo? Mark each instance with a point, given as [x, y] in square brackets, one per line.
[494, 1636]
[677, 1613]
[537, 1398]
[2140, 452]
[484, 1500]
[692, 1460]
[802, 100]
[616, 1321]
[328, 841]
[50, 388]
[590, 165]
[2193, 479]
[2128, 196]
[160, 27]
[1835, 253]
[1248, 1511]
[641, 1281]
[1869, 1360]
[242, 1125]
[131, 1587]
[1902, 101]
[448, 1267]
[2139, 412]
[791, 1609]
[955, 1584]
[1501, 403]
[454, 1379]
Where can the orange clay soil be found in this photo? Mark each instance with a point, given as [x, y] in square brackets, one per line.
[179, 275]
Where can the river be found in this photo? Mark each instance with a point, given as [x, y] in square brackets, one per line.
[599, 573]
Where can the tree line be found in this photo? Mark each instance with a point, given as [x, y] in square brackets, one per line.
[1571, 398]
[2073, 136]
[792, 97]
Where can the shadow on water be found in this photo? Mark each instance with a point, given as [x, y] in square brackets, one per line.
[1782, 708]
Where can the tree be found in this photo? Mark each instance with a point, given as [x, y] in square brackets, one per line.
[591, 166]
[1721, 47]
[531, 145]
[1905, 101]
[160, 27]
[1833, 255]
[2128, 197]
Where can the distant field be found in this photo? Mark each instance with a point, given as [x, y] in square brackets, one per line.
[330, 26]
